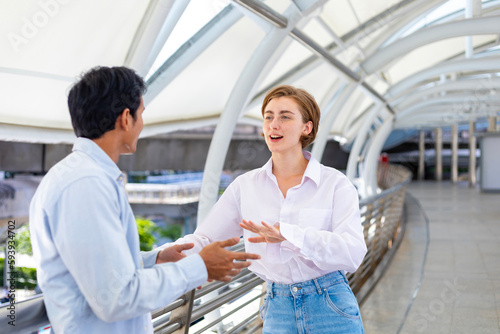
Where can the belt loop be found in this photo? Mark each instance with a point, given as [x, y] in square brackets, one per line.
[318, 288]
[343, 275]
[270, 287]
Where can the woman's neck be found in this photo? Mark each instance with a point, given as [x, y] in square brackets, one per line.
[289, 164]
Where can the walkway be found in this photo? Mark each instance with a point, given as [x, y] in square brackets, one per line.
[445, 277]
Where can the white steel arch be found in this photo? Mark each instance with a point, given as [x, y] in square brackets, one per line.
[477, 64]
[46, 48]
[475, 26]
[263, 57]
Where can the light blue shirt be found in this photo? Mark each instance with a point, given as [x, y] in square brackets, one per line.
[86, 245]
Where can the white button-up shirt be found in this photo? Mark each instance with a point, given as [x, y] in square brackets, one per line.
[319, 218]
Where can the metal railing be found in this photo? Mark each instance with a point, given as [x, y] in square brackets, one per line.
[233, 307]
[174, 194]
[381, 217]
[382, 220]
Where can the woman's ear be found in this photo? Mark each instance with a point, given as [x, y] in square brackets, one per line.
[308, 128]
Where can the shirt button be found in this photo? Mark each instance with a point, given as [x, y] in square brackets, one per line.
[295, 289]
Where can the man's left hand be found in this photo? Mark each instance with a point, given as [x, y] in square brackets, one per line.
[173, 253]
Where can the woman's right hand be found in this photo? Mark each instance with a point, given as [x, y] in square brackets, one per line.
[267, 233]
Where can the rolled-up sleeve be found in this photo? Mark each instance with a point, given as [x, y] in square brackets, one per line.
[341, 248]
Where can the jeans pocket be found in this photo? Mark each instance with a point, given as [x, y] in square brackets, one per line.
[263, 308]
[341, 300]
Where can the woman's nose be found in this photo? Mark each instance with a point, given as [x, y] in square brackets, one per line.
[274, 124]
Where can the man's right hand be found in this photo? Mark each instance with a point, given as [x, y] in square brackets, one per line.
[220, 262]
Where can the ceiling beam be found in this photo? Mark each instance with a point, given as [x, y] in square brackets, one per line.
[281, 22]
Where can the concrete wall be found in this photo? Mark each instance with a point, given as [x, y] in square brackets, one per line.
[21, 157]
[155, 154]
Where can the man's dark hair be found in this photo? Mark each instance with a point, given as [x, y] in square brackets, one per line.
[100, 96]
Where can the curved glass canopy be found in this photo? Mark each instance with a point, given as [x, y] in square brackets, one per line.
[374, 66]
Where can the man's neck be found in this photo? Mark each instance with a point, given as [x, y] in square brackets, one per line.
[110, 145]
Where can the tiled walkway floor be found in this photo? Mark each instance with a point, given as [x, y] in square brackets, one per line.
[456, 278]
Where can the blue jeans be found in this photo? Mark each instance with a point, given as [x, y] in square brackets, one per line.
[322, 305]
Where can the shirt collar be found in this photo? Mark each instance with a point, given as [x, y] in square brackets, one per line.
[313, 169]
[93, 150]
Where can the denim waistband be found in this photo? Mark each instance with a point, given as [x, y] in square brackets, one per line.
[316, 285]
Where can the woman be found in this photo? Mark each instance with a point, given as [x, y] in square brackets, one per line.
[301, 217]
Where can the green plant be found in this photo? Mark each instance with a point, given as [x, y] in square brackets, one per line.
[23, 241]
[145, 227]
[25, 277]
[2, 262]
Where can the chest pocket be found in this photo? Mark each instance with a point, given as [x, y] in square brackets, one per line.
[320, 219]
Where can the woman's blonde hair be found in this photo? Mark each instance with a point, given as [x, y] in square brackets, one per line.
[308, 108]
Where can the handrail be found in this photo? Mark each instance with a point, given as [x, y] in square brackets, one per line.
[374, 198]
[381, 217]
[383, 227]
[29, 315]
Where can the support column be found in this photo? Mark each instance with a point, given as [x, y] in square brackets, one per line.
[492, 124]
[421, 156]
[454, 153]
[472, 154]
[355, 158]
[326, 124]
[372, 155]
[439, 154]
[264, 55]
[469, 47]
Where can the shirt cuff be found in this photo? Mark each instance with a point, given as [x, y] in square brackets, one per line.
[149, 258]
[280, 252]
[194, 269]
[293, 234]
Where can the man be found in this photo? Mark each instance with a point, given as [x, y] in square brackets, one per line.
[84, 235]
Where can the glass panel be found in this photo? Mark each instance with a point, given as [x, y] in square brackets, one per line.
[430, 55]
[448, 8]
[339, 16]
[201, 91]
[294, 54]
[365, 12]
[197, 14]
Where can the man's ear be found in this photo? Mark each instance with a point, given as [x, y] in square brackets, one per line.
[124, 121]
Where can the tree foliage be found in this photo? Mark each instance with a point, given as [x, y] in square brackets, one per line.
[23, 241]
[149, 233]
[146, 228]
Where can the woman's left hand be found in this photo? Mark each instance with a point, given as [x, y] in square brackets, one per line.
[268, 233]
